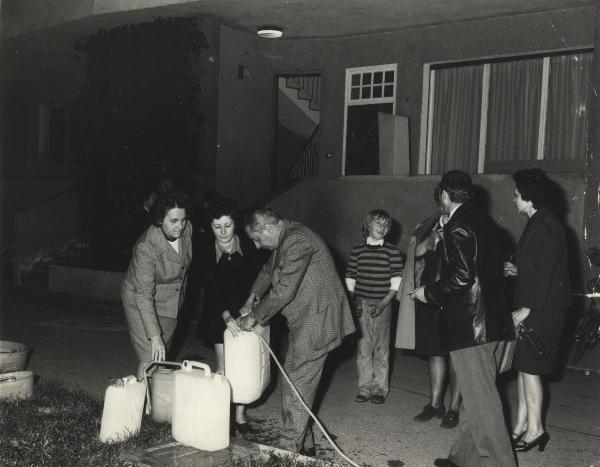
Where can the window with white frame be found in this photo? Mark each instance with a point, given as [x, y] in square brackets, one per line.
[501, 115]
[369, 91]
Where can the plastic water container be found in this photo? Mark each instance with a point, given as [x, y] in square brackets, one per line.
[247, 364]
[201, 403]
[123, 406]
[17, 385]
[160, 391]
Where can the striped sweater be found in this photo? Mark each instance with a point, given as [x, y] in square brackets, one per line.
[373, 267]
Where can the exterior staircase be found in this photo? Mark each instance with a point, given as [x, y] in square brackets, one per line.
[307, 89]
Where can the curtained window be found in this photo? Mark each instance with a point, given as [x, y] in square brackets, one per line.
[499, 116]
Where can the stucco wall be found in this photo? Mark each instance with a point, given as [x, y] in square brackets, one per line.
[411, 48]
[246, 118]
[336, 208]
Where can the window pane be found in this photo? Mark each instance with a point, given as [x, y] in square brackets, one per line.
[568, 90]
[389, 91]
[389, 76]
[355, 79]
[378, 77]
[355, 93]
[513, 114]
[366, 93]
[366, 79]
[456, 116]
[376, 91]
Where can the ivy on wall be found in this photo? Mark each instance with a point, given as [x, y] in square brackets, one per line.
[137, 120]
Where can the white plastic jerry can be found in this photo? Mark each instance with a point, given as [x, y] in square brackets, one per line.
[123, 406]
[247, 363]
[201, 403]
[159, 389]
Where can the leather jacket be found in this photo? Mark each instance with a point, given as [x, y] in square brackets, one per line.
[469, 291]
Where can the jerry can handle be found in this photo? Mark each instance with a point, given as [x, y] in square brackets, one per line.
[147, 384]
[190, 364]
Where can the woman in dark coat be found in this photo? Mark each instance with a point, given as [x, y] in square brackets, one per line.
[542, 296]
[230, 264]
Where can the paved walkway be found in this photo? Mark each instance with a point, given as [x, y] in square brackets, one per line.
[83, 343]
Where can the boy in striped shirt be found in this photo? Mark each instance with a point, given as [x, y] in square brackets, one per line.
[373, 278]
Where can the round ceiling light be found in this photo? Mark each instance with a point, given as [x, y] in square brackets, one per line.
[269, 32]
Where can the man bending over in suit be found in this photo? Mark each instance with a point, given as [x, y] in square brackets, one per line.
[301, 282]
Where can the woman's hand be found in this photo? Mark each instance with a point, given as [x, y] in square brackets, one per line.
[232, 326]
[159, 351]
[510, 270]
[519, 315]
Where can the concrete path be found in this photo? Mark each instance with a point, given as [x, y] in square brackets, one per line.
[83, 343]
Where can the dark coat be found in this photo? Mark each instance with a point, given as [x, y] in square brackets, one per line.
[304, 285]
[542, 284]
[226, 285]
[542, 264]
[469, 291]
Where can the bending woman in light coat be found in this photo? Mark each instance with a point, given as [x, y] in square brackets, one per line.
[154, 286]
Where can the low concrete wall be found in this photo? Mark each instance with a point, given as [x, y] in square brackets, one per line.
[47, 226]
[336, 208]
[92, 283]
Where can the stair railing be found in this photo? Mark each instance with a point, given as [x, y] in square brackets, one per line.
[309, 88]
[307, 164]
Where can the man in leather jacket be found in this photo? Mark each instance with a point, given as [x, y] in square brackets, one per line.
[469, 293]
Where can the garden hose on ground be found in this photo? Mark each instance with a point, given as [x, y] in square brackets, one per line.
[313, 416]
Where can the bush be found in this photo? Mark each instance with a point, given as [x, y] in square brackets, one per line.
[137, 119]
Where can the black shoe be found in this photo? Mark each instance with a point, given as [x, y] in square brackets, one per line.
[450, 420]
[429, 412]
[377, 399]
[361, 398]
[540, 442]
[243, 428]
[443, 462]
[310, 452]
[514, 438]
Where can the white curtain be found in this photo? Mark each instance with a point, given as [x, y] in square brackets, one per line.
[514, 107]
[567, 121]
[457, 109]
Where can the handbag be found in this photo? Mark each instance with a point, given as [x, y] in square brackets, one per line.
[507, 352]
[531, 340]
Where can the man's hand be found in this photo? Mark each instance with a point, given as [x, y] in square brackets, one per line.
[250, 303]
[418, 294]
[377, 309]
[247, 322]
[159, 351]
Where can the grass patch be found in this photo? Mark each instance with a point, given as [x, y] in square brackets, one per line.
[60, 427]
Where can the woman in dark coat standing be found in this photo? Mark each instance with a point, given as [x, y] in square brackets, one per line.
[229, 264]
[542, 296]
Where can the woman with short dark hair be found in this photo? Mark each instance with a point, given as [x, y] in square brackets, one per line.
[154, 286]
[229, 263]
[542, 296]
